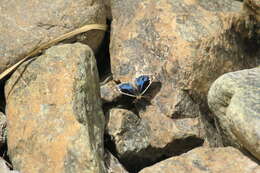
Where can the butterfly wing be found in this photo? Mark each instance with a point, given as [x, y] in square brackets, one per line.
[127, 89]
[142, 83]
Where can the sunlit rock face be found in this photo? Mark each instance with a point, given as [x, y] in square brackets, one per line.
[26, 24]
[234, 98]
[55, 119]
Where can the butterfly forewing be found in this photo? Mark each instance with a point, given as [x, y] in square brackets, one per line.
[127, 89]
[142, 83]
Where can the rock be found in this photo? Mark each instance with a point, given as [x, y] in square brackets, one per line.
[3, 130]
[172, 136]
[4, 168]
[108, 9]
[182, 105]
[109, 92]
[169, 48]
[113, 165]
[251, 7]
[55, 119]
[202, 159]
[249, 25]
[179, 40]
[234, 98]
[129, 134]
[143, 141]
[27, 24]
[186, 45]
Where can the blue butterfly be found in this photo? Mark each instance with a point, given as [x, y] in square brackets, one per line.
[138, 88]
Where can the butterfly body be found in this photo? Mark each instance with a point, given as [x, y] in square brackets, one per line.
[137, 88]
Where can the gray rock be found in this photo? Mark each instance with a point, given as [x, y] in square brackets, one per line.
[181, 105]
[130, 134]
[142, 141]
[3, 129]
[113, 165]
[234, 98]
[109, 92]
[54, 114]
[26, 24]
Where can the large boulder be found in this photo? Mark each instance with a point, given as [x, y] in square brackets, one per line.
[186, 45]
[26, 24]
[54, 114]
[181, 41]
[200, 160]
[234, 98]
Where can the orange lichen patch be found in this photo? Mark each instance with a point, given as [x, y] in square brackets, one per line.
[44, 131]
[57, 150]
[51, 137]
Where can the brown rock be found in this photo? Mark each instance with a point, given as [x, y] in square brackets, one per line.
[234, 98]
[141, 142]
[55, 120]
[181, 105]
[173, 28]
[213, 160]
[24, 24]
[188, 44]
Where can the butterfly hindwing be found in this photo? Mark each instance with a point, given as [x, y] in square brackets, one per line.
[127, 89]
[142, 83]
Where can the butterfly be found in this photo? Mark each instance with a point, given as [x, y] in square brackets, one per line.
[138, 88]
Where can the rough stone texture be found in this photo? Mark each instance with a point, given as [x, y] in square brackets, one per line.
[142, 141]
[109, 92]
[55, 120]
[180, 41]
[180, 106]
[113, 165]
[234, 98]
[130, 135]
[25, 24]
[108, 9]
[251, 24]
[187, 45]
[206, 160]
[150, 35]
[252, 7]
[4, 168]
[3, 130]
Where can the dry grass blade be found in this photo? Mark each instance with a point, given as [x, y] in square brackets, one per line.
[51, 43]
